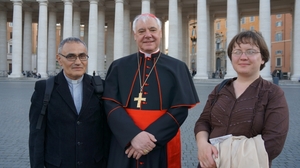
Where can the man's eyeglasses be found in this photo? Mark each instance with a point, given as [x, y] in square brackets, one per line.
[248, 53]
[73, 57]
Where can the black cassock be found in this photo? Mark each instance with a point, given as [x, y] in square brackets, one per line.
[169, 93]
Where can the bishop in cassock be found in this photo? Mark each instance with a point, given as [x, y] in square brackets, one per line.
[147, 97]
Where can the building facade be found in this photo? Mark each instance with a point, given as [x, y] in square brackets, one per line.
[105, 25]
[281, 42]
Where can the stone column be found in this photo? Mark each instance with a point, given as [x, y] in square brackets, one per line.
[180, 38]
[211, 66]
[61, 31]
[145, 6]
[101, 42]
[208, 41]
[173, 29]
[27, 41]
[76, 23]
[42, 38]
[86, 33]
[52, 44]
[17, 40]
[202, 34]
[133, 45]
[185, 39]
[68, 16]
[296, 43]
[265, 29]
[3, 42]
[232, 30]
[127, 30]
[93, 36]
[110, 41]
[163, 41]
[119, 29]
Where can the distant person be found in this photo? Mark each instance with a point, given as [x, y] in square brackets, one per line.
[247, 106]
[220, 74]
[74, 130]
[147, 96]
[194, 72]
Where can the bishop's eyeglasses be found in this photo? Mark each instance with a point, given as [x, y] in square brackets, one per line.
[248, 53]
[73, 57]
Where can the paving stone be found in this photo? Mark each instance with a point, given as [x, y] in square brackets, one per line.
[15, 97]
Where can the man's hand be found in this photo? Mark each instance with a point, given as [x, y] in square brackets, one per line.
[141, 144]
[132, 152]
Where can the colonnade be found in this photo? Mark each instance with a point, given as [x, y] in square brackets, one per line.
[117, 41]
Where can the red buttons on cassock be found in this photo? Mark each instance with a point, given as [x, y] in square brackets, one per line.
[147, 75]
[146, 84]
[145, 93]
[148, 67]
[144, 102]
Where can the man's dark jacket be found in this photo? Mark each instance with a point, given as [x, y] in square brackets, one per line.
[68, 139]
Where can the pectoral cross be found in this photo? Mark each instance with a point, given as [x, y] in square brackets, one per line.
[139, 100]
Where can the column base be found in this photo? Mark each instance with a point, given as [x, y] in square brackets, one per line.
[43, 74]
[295, 78]
[200, 77]
[267, 77]
[15, 75]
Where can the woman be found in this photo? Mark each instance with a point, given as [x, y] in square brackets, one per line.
[247, 105]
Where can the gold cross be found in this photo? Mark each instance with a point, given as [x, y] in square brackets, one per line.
[139, 100]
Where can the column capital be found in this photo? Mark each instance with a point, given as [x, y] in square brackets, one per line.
[67, 1]
[17, 1]
[42, 1]
[119, 1]
[94, 1]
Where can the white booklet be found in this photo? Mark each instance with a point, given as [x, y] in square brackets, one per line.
[220, 139]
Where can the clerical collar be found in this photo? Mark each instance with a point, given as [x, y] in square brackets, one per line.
[71, 81]
[149, 55]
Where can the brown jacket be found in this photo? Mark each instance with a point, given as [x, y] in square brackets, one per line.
[261, 109]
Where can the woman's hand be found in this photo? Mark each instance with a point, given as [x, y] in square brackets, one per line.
[206, 155]
[206, 151]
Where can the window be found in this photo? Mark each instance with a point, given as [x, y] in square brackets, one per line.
[278, 62]
[218, 25]
[279, 23]
[278, 37]
[218, 46]
[278, 16]
[251, 18]
[242, 29]
[243, 20]
[10, 49]
[10, 24]
[278, 52]
[252, 28]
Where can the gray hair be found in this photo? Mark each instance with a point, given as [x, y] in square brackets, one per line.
[69, 40]
[144, 17]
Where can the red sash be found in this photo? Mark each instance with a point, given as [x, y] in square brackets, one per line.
[143, 118]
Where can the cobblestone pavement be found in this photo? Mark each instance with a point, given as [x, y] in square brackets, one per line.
[15, 101]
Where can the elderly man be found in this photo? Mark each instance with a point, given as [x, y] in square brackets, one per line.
[73, 130]
[146, 98]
